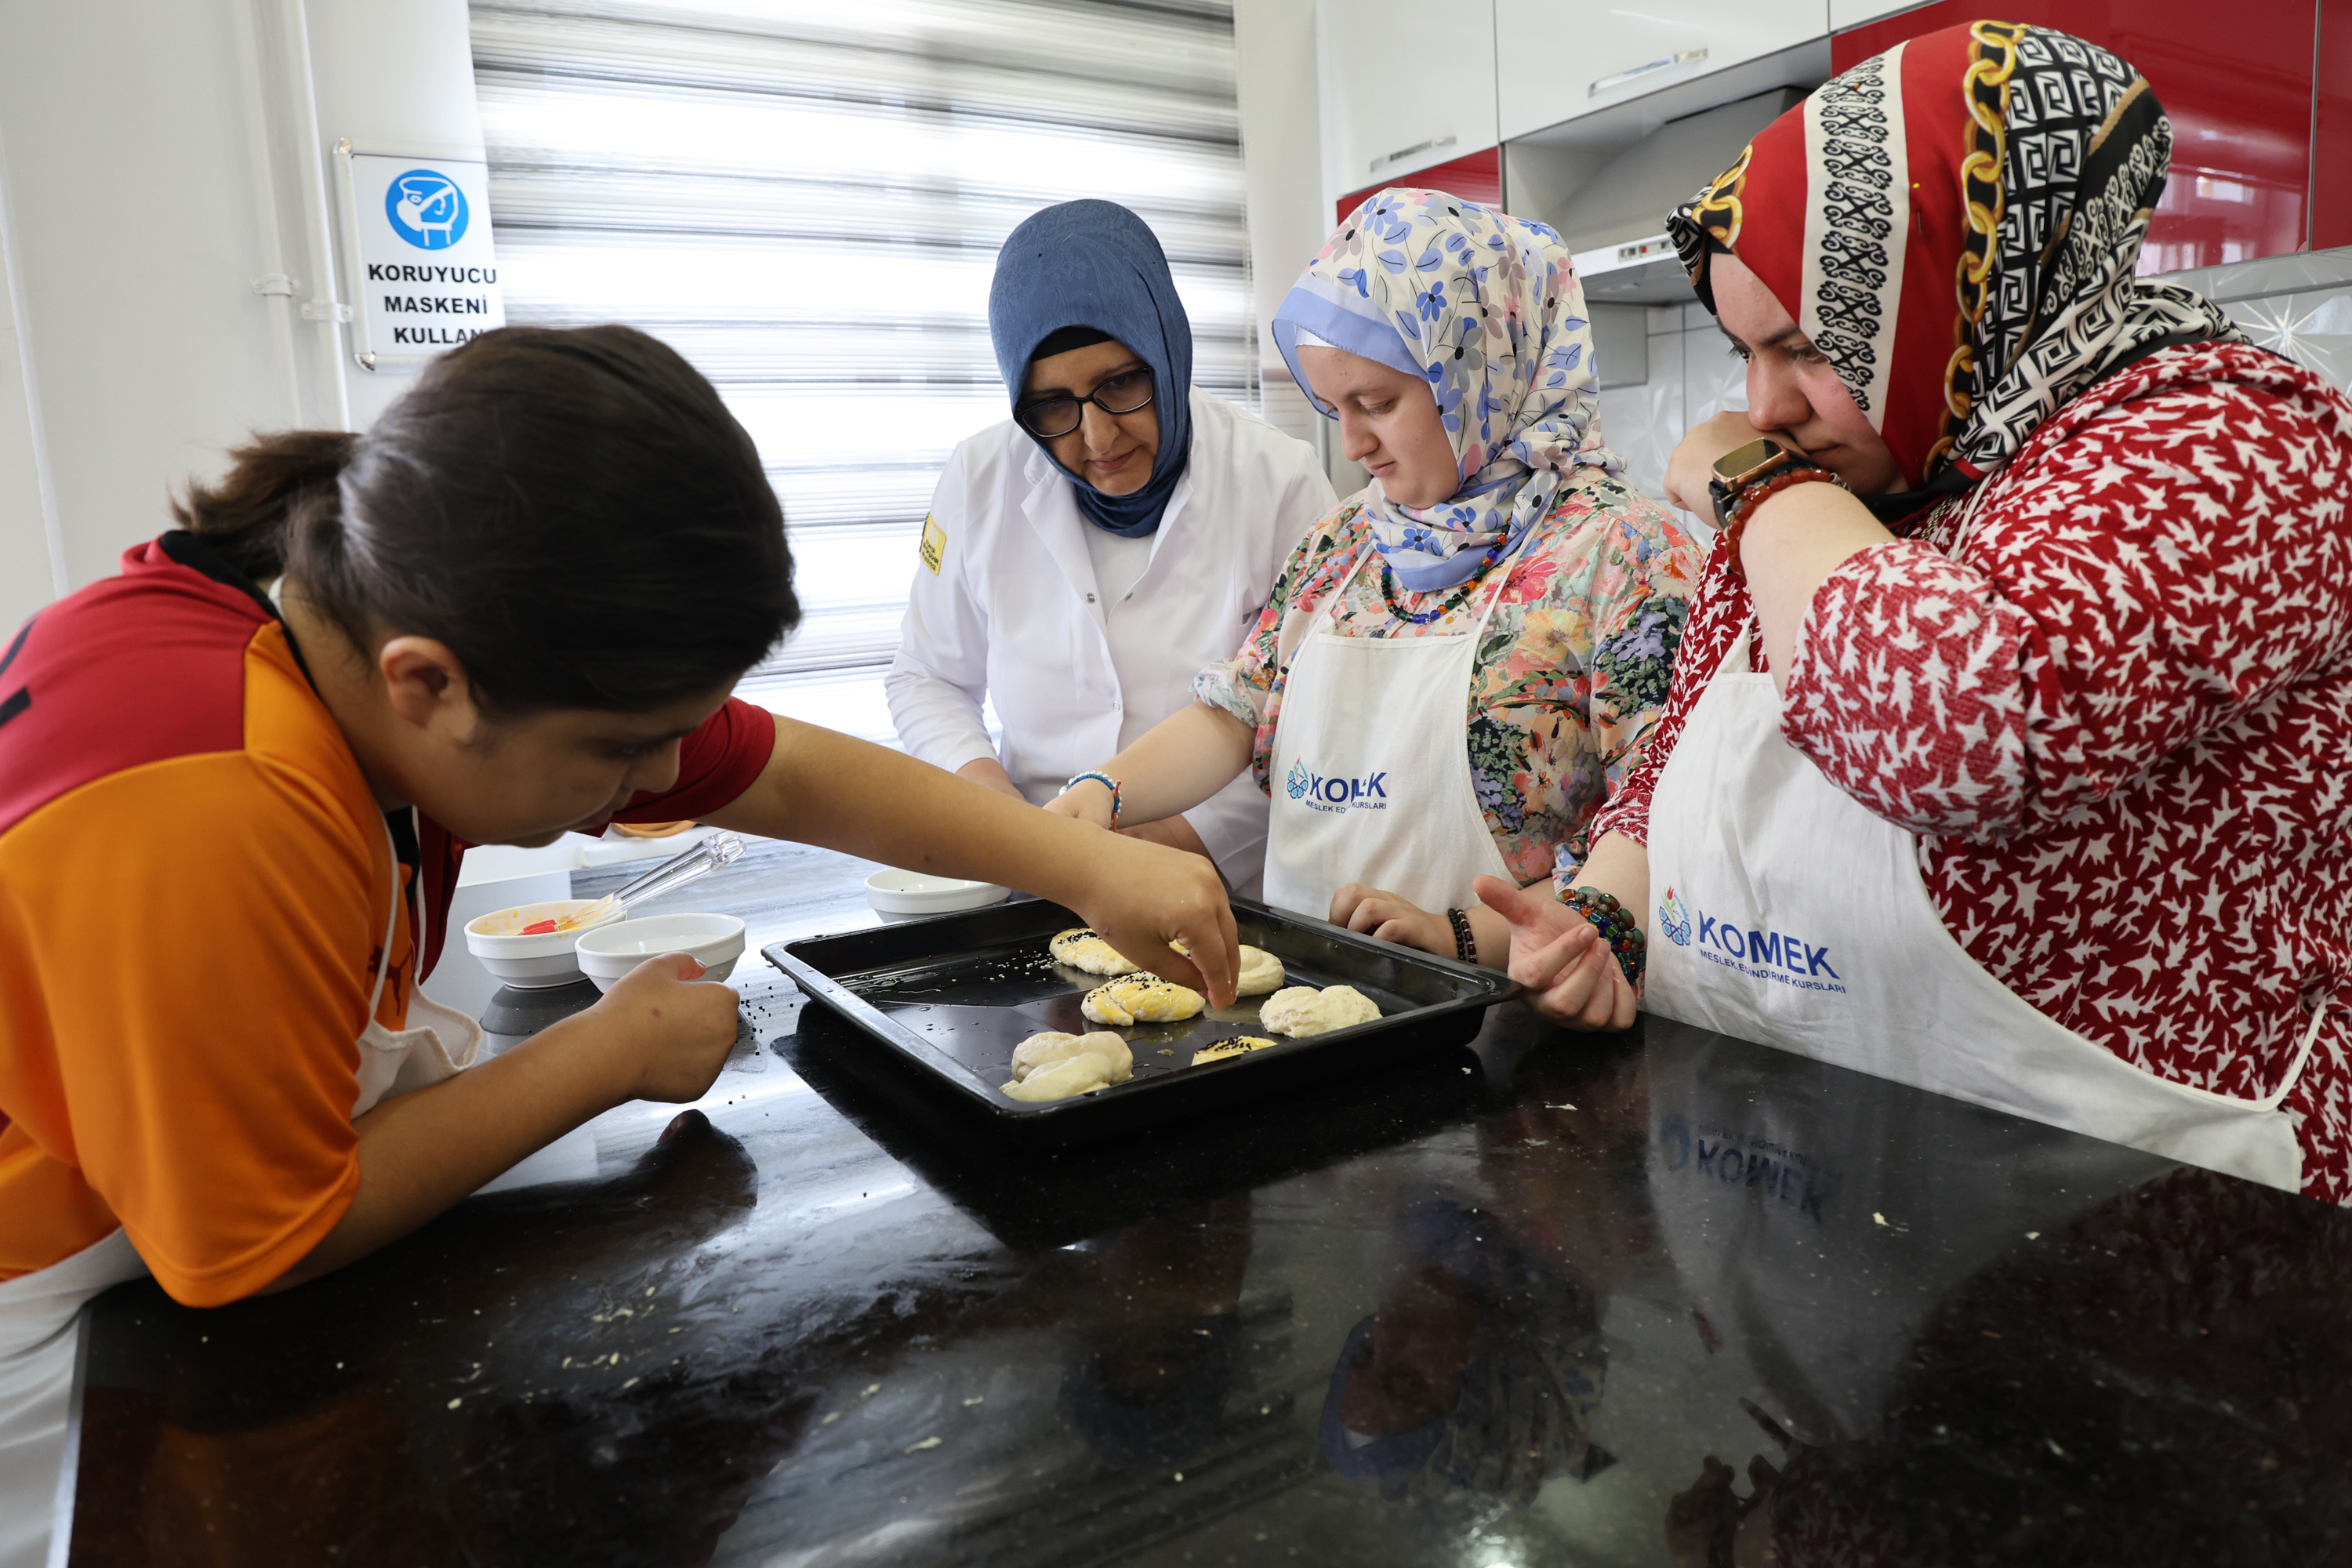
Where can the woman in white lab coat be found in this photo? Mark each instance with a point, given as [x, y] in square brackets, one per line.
[1084, 559]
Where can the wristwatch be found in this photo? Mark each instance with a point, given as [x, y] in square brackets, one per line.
[1751, 463]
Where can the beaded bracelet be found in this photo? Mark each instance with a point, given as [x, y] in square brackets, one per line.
[1465, 941]
[1105, 780]
[1734, 522]
[1619, 930]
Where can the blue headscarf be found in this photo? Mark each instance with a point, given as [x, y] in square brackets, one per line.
[1487, 310]
[1095, 264]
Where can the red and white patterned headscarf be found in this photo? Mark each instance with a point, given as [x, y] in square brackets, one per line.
[1955, 224]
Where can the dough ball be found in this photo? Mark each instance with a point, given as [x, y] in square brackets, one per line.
[1039, 1052]
[1261, 971]
[1301, 1010]
[1140, 999]
[1082, 948]
[1225, 1051]
[1080, 1074]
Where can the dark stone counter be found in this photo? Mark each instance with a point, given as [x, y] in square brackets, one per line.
[1550, 1300]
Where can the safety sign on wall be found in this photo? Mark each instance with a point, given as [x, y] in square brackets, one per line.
[422, 275]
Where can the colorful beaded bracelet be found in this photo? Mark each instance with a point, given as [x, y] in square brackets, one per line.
[1619, 928]
[1105, 780]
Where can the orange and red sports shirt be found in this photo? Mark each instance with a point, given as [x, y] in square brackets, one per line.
[194, 881]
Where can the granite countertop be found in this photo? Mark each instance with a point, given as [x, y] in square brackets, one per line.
[1664, 1298]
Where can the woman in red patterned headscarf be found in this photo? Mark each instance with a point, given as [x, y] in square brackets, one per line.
[2008, 743]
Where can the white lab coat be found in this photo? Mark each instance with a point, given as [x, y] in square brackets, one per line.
[1012, 614]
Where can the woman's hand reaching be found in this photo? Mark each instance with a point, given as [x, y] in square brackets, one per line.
[1087, 800]
[1570, 976]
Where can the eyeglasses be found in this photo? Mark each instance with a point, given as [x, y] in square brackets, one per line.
[1050, 419]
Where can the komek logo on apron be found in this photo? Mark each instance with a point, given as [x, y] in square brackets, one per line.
[1793, 916]
[1373, 748]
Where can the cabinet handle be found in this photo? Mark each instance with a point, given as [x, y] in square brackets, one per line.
[1638, 72]
[1400, 156]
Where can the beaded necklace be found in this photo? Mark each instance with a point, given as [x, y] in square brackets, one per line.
[1460, 596]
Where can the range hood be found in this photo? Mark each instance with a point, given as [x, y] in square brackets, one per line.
[1644, 271]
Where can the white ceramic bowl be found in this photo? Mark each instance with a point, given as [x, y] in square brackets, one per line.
[909, 895]
[607, 953]
[531, 962]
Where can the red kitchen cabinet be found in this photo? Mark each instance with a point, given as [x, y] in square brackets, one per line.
[1477, 178]
[2239, 87]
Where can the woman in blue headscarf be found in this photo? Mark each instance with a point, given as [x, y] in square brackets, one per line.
[1463, 659]
[1084, 559]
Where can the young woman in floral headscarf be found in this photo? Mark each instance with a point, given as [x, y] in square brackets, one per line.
[2007, 755]
[1460, 662]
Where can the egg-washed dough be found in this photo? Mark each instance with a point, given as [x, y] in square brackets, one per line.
[1301, 1010]
[1261, 971]
[1038, 1052]
[1240, 1045]
[1081, 947]
[1140, 999]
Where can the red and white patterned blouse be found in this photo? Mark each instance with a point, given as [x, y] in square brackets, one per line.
[2120, 720]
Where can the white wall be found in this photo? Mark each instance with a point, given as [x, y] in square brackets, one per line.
[133, 249]
[1692, 377]
[1282, 160]
[394, 78]
[156, 158]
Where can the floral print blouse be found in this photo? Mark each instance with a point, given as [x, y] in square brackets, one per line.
[1569, 679]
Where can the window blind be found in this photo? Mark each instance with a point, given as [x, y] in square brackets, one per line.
[806, 198]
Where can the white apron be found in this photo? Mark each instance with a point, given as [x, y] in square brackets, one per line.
[1789, 915]
[1371, 767]
[39, 1312]
[442, 1044]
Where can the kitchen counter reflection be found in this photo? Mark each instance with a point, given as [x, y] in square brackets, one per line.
[1668, 1299]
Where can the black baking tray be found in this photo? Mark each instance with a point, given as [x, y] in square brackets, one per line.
[1033, 1198]
[953, 995]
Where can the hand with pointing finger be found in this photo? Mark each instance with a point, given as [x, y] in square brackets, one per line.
[1571, 977]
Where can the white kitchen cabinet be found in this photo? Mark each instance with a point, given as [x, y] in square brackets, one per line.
[1405, 84]
[1557, 60]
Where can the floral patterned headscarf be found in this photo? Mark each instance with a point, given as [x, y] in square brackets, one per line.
[1486, 309]
[1956, 225]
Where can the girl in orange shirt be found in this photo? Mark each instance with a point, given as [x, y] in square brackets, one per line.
[515, 606]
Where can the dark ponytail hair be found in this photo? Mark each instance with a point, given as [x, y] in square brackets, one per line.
[573, 512]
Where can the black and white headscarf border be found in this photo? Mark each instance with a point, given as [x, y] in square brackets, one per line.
[2087, 149]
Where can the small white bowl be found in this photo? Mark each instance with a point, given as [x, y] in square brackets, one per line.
[607, 953]
[908, 895]
[531, 962]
